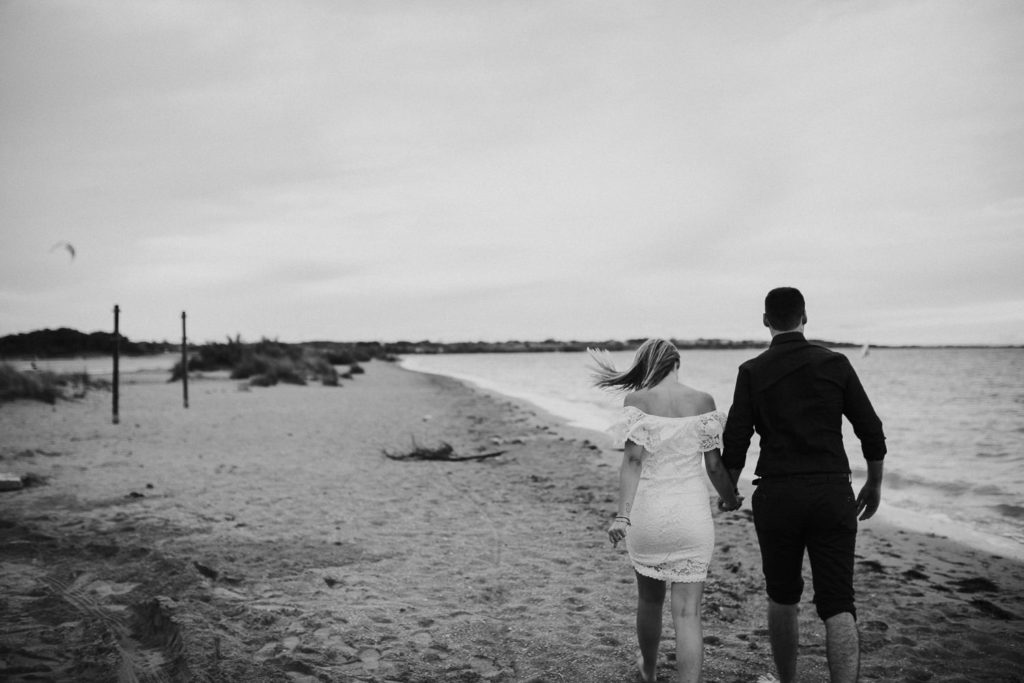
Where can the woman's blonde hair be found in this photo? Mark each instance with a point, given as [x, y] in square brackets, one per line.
[654, 360]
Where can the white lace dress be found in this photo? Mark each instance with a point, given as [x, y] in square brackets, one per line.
[671, 534]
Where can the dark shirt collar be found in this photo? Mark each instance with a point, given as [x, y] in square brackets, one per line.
[787, 338]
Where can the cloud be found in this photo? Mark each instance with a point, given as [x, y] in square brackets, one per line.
[513, 169]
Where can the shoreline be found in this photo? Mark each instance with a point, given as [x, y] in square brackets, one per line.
[264, 530]
[885, 549]
[898, 518]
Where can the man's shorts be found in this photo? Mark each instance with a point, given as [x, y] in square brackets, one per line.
[813, 512]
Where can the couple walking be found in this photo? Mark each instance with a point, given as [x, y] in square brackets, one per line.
[794, 395]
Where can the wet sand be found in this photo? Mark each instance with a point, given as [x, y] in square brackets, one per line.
[262, 535]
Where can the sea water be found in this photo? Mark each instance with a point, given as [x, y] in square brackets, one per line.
[953, 419]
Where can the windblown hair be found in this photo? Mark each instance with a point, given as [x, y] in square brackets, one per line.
[784, 308]
[654, 360]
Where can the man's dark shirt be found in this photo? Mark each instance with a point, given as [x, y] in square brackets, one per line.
[795, 395]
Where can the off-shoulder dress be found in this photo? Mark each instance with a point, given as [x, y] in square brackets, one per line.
[671, 534]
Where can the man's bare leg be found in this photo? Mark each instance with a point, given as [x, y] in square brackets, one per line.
[843, 648]
[784, 634]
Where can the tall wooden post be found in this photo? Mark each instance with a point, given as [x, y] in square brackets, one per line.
[117, 354]
[184, 361]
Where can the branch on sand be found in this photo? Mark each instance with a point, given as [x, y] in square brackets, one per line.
[442, 452]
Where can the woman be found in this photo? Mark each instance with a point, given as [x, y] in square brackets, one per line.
[664, 514]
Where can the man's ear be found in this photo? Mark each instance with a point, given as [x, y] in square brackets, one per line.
[803, 318]
[764, 319]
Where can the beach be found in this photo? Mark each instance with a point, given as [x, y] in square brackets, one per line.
[263, 535]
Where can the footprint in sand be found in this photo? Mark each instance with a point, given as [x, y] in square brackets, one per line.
[872, 566]
[993, 610]
[915, 574]
[976, 584]
[575, 604]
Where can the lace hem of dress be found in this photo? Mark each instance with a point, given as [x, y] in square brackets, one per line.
[680, 571]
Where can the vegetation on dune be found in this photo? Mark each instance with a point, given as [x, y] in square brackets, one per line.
[65, 342]
[266, 362]
[44, 386]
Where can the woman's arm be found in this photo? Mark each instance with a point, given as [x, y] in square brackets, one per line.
[729, 496]
[629, 478]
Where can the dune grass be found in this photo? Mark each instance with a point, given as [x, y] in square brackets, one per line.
[265, 363]
[44, 386]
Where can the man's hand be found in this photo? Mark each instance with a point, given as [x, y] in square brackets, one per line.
[867, 501]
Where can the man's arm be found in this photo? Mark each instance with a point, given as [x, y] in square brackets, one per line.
[861, 414]
[739, 427]
[871, 493]
[868, 428]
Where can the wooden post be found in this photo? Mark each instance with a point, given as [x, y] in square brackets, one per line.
[117, 354]
[184, 361]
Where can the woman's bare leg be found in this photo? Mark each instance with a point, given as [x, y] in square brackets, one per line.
[686, 599]
[649, 607]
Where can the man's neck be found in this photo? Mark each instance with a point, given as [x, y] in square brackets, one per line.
[776, 332]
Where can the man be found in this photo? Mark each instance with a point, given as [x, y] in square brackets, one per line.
[795, 395]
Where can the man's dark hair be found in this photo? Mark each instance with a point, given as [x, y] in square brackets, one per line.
[784, 308]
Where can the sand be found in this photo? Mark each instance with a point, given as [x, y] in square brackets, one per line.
[262, 535]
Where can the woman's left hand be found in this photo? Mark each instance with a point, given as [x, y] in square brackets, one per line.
[617, 530]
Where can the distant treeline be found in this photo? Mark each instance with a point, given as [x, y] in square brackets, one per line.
[68, 343]
[554, 345]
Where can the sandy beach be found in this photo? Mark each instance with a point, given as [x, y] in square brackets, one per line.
[262, 535]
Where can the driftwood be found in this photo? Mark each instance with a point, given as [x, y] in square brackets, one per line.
[442, 452]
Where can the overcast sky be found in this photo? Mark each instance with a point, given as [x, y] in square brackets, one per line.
[513, 169]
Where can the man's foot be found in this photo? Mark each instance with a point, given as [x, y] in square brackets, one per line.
[767, 678]
[645, 675]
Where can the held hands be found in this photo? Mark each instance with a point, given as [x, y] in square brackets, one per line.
[723, 507]
[617, 530]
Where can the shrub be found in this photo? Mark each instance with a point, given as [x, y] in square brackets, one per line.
[42, 386]
[272, 361]
[279, 369]
[340, 357]
[288, 371]
[263, 380]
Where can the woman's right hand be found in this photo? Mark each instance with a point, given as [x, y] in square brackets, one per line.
[617, 530]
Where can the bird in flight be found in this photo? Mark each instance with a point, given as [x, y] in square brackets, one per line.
[65, 245]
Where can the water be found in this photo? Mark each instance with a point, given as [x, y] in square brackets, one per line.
[954, 422]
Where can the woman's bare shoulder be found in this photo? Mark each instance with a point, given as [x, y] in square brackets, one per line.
[706, 400]
[699, 401]
[636, 399]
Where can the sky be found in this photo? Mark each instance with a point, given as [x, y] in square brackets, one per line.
[512, 169]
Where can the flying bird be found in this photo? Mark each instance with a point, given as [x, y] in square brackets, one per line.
[66, 245]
